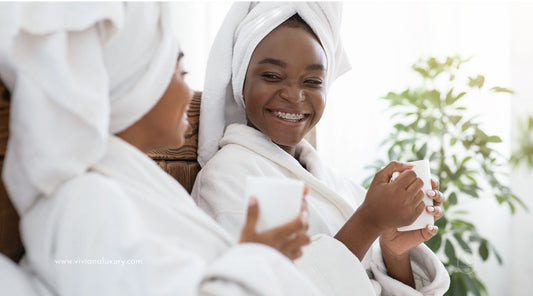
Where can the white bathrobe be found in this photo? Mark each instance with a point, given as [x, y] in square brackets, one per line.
[128, 228]
[219, 190]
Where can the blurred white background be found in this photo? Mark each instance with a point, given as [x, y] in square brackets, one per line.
[383, 39]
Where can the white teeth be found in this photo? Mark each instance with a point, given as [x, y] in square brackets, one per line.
[294, 117]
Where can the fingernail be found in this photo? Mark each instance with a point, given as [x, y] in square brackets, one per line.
[431, 192]
[252, 202]
[436, 228]
[431, 209]
[431, 227]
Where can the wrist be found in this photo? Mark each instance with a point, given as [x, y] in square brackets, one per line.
[358, 234]
[399, 267]
[392, 253]
[367, 218]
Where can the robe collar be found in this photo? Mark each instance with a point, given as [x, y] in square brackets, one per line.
[314, 176]
[131, 167]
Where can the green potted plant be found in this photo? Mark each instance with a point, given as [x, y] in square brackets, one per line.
[431, 122]
[524, 152]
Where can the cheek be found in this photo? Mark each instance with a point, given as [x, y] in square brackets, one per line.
[319, 104]
[255, 98]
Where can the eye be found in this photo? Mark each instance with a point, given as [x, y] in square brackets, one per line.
[271, 76]
[313, 82]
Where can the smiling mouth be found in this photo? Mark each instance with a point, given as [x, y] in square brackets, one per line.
[291, 117]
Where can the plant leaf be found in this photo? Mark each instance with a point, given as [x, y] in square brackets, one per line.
[502, 89]
[435, 242]
[471, 284]
[458, 237]
[483, 250]
[478, 81]
[494, 139]
[449, 250]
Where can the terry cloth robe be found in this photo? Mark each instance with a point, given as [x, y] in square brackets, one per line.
[128, 228]
[245, 151]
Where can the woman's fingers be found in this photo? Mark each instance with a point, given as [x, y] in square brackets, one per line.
[290, 228]
[253, 214]
[429, 231]
[435, 184]
[385, 174]
[298, 241]
[248, 233]
[436, 211]
[292, 247]
[306, 190]
[405, 179]
[436, 196]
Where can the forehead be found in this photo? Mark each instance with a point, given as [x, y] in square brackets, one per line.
[290, 44]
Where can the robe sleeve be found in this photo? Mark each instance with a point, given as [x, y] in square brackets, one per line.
[431, 277]
[87, 240]
[220, 196]
[15, 281]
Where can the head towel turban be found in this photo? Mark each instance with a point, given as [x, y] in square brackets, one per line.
[77, 72]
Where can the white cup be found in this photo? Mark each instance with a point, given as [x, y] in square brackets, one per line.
[279, 200]
[421, 168]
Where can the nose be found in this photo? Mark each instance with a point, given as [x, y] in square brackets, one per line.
[292, 92]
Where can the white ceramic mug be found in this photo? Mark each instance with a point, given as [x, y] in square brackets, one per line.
[421, 168]
[279, 199]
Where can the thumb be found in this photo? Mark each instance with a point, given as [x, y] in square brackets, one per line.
[252, 215]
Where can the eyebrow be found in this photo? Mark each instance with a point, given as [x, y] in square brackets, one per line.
[274, 62]
[284, 65]
[316, 67]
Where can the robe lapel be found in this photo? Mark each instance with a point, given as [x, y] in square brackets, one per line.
[134, 169]
[258, 142]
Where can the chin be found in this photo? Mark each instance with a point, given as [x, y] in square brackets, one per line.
[287, 142]
[177, 144]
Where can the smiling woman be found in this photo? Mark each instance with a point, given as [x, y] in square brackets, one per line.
[283, 57]
[284, 92]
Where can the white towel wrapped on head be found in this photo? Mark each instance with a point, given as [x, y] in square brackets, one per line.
[77, 72]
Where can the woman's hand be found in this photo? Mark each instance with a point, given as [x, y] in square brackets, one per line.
[389, 205]
[288, 238]
[397, 243]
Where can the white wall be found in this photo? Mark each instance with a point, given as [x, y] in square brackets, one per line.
[196, 25]
[520, 228]
[383, 39]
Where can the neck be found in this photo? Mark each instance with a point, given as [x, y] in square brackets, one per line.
[134, 140]
[289, 149]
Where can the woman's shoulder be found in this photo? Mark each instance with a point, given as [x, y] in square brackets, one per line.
[231, 157]
[91, 190]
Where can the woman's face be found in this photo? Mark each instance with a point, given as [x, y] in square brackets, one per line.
[164, 126]
[284, 90]
[169, 115]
